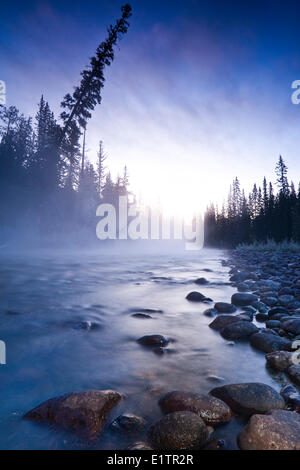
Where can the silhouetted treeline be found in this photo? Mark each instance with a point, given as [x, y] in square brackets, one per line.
[46, 189]
[263, 215]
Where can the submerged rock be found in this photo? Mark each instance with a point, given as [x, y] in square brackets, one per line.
[212, 410]
[210, 312]
[141, 315]
[153, 340]
[82, 412]
[224, 307]
[201, 281]
[269, 342]
[278, 430]
[249, 398]
[178, 430]
[238, 330]
[241, 299]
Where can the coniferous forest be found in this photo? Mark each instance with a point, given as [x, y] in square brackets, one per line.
[48, 188]
[268, 213]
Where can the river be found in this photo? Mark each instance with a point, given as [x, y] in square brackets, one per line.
[43, 300]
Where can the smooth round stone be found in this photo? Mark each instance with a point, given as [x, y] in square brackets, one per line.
[278, 430]
[224, 307]
[201, 281]
[178, 430]
[153, 340]
[271, 301]
[212, 410]
[269, 342]
[292, 326]
[261, 317]
[286, 300]
[249, 398]
[275, 310]
[195, 297]
[222, 321]
[242, 299]
[238, 330]
[273, 324]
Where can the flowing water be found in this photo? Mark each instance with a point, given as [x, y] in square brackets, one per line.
[42, 302]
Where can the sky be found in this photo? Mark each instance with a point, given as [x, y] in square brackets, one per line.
[199, 91]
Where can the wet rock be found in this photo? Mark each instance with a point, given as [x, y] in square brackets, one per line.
[275, 310]
[260, 306]
[222, 321]
[238, 330]
[129, 423]
[139, 445]
[212, 410]
[239, 277]
[269, 342]
[141, 315]
[286, 300]
[291, 397]
[201, 281]
[178, 430]
[278, 430]
[249, 309]
[242, 299]
[82, 412]
[210, 312]
[261, 317]
[196, 297]
[249, 398]
[271, 301]
[153, 340]
[223, 307]
[292, 326]
[269, 284]
[273, 324]
[294, 373]
[279, 360]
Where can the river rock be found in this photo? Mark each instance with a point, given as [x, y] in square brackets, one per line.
[212, 410]
[261, 317]
[129, 423]
[260, 306]
[196, 297]
[249, 398]
[286, 300]
[291, 397]
[201, 281]
[82, 412]
[223, 307]
[241, 299]
[278, 430]
[292, 326]
[210, 312]
[178, 430]
[275, 310]
[294, 373]
[269, 342]
[238, 330]
[270, 301]
[273, 324]
[222, 321]
[153, 340]
[279, 360]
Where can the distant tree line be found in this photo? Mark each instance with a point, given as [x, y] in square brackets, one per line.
[265, 214]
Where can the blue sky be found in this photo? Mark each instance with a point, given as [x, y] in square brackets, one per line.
[199, 92]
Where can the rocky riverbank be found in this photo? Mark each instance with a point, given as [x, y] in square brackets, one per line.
[265, 312]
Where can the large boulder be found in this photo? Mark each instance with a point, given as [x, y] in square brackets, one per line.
[239, 330]
[83, 412]
[279, 360]
[224, 307]
[294, 373]
[241, 299]
[212, 410]
[249, 398]
[179, 430]
[222, 321]
[269, 342]
[278, 430]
